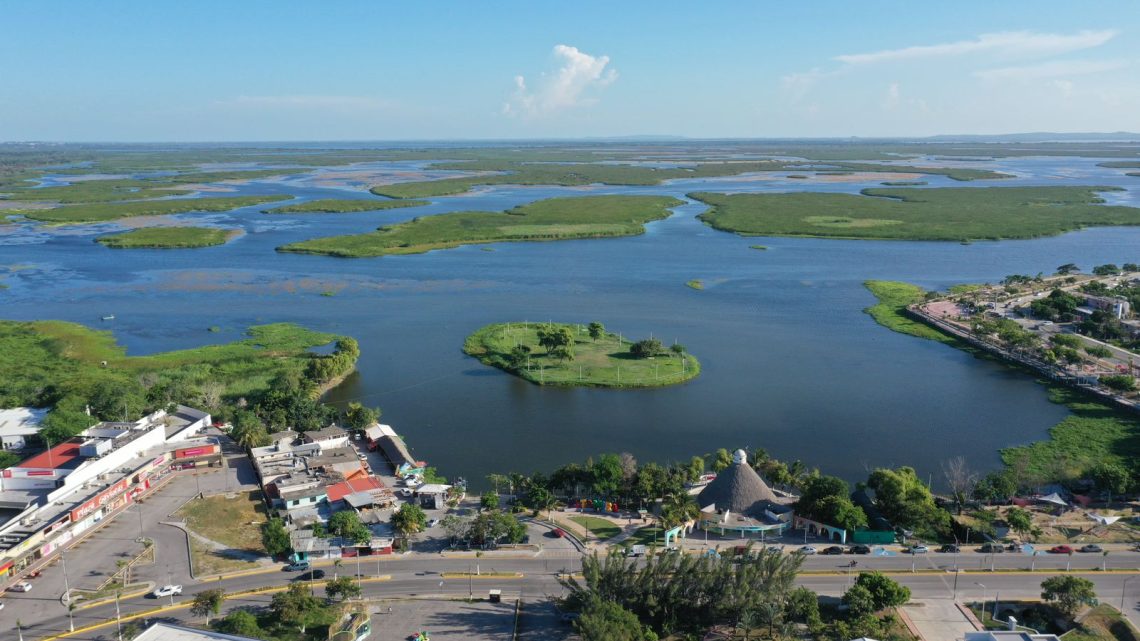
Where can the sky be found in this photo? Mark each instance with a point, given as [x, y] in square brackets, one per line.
[206, 70]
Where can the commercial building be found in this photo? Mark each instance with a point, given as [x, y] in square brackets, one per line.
[18, 425]
[739, 502]
[52, 497]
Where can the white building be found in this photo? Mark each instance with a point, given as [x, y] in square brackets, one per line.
[16, 425]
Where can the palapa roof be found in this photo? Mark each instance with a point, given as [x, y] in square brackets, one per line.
[738, 488]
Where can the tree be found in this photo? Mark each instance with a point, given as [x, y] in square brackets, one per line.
[995, 487]
[207, 602]
[646, 348]
[608, 475]
[1110, 477]
[802, 606]
[347, 524]
[1106, 270]
[885, 592]
[597, 330]
[295, 606]
[275, 538]
[960, 479]
[1119, 382]
[489, 501]
[679, 508]
[721, 460]
[519, 356]
[241, 623]
[906, 501]
[562, 352]
[409, 519]
[1067, 268]
[359, 417]
[677, 349]
[826, 499]
[859, 601]
[603, 620]
[553, 336]
[696, 469]
[342, 588]
[248, 431]
[1020, 521]
[1068, 593]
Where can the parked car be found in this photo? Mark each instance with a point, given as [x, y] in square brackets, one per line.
[405, 492]
[949, 548]
[1060, 549]
[991, 548]
[918, 548]
[299, 566]
[559, 532]
[433, 522]
[860, 549]
[167, 590]
[1092, 547]
[22, 586]
[32, 575]
[807, 549]
[835, 549]
[311, 575]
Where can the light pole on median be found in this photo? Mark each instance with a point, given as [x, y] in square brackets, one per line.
[1123, 587]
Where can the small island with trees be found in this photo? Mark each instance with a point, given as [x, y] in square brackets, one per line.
[580, 355]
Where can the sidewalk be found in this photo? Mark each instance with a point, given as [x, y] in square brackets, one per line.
[939, 619]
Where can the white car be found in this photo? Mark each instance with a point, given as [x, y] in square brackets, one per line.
[807, 549]
[22, 586]
[433, 522]
[406, 491]
[167, 590]
[918, 548]
[413, 481]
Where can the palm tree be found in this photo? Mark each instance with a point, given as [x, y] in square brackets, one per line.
[678, 509]
[336, 566]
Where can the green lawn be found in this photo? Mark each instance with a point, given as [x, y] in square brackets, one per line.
[893, 299]
[99, 212]
[958, 214]
[602, 363]
[344, 206]
[168, 238]
[600, 528]
[552, 219]
[234, 522]
[646, 536]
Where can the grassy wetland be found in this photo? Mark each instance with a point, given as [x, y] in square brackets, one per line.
[101, 212]
[604, 361]
[168, 238]
[499, 172]
[343, 206]
[544, 220]
[958, 214]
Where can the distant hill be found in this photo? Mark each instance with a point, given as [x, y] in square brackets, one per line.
[1042, 136]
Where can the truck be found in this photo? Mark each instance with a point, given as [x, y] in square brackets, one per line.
[637, 550]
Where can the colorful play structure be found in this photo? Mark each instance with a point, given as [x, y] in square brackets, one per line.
[598, 505]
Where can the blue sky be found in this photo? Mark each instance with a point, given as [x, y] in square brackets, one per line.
[281, 70]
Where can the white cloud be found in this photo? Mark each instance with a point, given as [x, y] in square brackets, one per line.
[892, 99]
[566, 88]
[1052, 69]
[1007, 43]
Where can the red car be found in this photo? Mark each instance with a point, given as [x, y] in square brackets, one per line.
[1060, 549]
[558, 532]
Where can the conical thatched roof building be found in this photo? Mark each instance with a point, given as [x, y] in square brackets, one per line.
[738, 489]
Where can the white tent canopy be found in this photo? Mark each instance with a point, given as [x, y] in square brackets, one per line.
[1053, 498]
[1103, 520]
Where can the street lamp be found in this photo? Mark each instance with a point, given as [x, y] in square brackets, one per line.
[983, 608]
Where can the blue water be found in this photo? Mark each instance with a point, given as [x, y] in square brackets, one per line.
[789, 361]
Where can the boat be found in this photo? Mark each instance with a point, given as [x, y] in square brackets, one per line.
[111, 317]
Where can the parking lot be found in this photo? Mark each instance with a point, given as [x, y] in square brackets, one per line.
[444, 620]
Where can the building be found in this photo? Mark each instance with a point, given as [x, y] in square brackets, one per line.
[433, 495]
[54, 496]
[1118, 307]
[741, 503]
[161, 631]
[18, 425]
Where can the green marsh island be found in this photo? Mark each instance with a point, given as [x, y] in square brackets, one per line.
[958, 214]
[343, 206]
[168, 238]
[580, 355]
[101, 212]
[551, 219]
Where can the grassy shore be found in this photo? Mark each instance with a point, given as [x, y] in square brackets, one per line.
[100, 212]
[500, 172]
[343, 206]
[889, 311]
[605, 362]
[552, 219]
[168, 238]
[957, 214]
[50, 360]
[124, 189]
[1093, 432]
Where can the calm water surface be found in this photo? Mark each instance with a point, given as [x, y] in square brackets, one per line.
[790, 362]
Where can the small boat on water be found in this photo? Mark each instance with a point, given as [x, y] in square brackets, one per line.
[111, 317]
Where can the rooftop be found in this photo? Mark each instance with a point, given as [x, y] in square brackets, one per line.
[340, 490]
[20, 421]
[64, 456]
[167, 632]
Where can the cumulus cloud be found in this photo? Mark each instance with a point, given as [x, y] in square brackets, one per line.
[1053, 69]
[1006, 43]
[567, 87]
